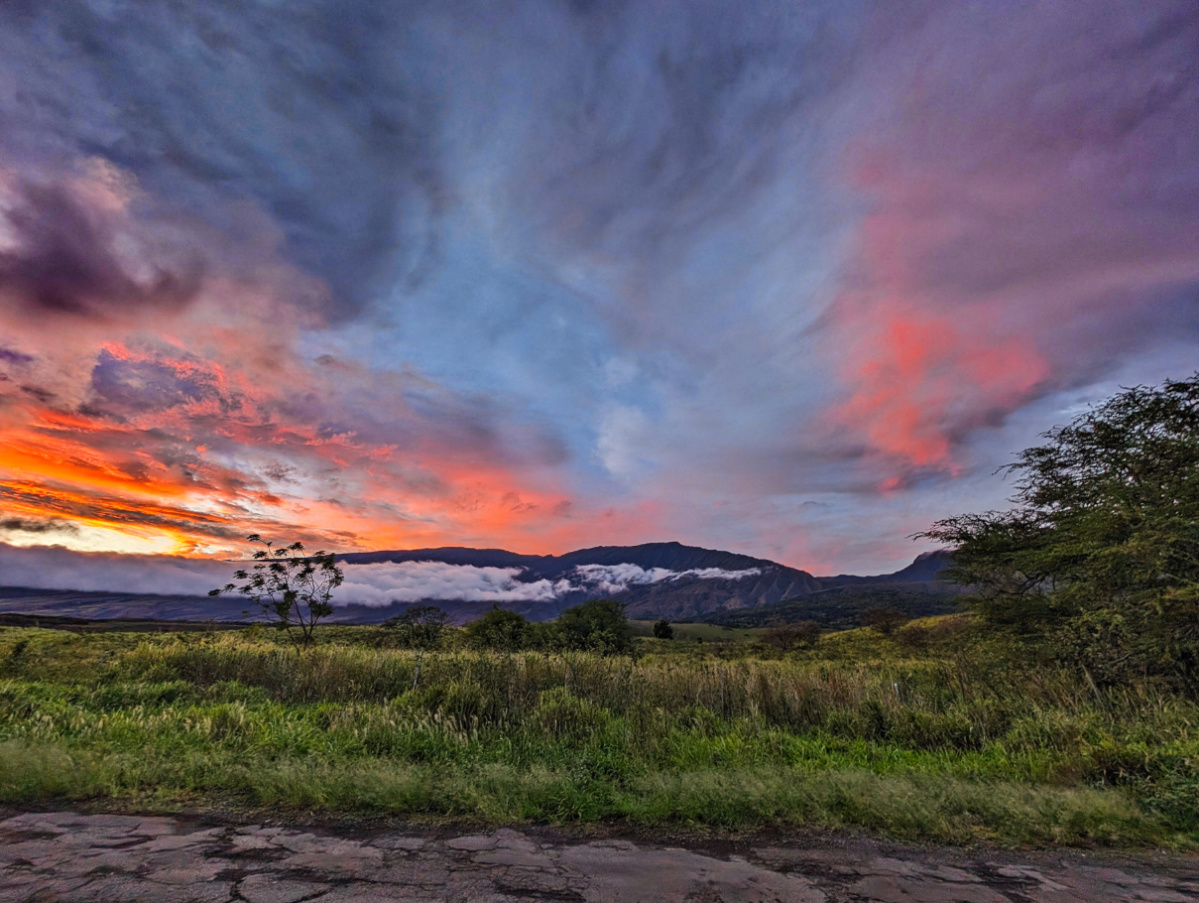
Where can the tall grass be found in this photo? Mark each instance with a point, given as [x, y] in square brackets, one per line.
[934, 748]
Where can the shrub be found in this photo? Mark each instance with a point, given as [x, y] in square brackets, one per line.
[883, 618]
[599, 626]
[500, 630]
[800, 635]
[663, 630]
[419, 627]
[914, 636]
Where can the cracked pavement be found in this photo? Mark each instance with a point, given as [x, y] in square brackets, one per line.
[65, 856]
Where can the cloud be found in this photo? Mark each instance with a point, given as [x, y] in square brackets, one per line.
[36, 525]
[1018, 240]
[148, 384]
[59, 568]
[365, 584]
[618, 440]
[11, 356]
[62, 253]
[413, 581]
[922, 383]
[363, 274]
[309, 115]
[616, 578]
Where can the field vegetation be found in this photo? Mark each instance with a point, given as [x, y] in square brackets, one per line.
[937, 731]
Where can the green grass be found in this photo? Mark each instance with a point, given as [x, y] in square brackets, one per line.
[917, 737]
[708, 633]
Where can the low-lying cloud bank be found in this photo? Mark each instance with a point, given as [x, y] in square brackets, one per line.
[376, 584]
[615, 578]
[416, 581]
[53, 567]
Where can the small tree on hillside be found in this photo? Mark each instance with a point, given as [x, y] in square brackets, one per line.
[884, 618]
[663, 630]
[499, 629]
[420, 627]
[799, 635]
[291, 589]
[599, 626]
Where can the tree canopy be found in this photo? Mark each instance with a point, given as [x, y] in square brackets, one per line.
[499, 629]
[419, 627]
[1101, 551]
[598, 625]
[292, 589]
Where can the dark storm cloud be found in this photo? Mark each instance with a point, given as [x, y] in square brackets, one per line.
[41, 394]
[35, 525]
[142, 386]
[14, 357]
[304, 109]
[63, 259]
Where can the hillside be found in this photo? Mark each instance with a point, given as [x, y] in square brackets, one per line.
[840, 602]
[696, 581]
[654, 580]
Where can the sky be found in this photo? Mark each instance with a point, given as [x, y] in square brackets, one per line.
[788, 279]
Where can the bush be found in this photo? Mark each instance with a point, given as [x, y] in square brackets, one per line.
[663, 630]
[599, 626]
[914, 636]
[499, 629]
[419, 627]
[883, 618]
[800, 635]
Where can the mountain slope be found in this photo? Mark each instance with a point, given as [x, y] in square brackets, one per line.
[918, 590]
[654, 580]
[926, 568]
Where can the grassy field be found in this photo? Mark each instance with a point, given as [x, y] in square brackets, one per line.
[929, 734]
[705, 633]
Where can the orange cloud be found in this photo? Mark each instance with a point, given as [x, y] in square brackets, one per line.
[920, 380]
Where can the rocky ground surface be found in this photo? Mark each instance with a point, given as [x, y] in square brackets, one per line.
[64, 856]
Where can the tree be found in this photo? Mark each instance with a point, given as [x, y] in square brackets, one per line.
[498, 629]
[419, 627]
[598, 625]
[1101, 552]
[290, 588]
[800, 635]
[663, 630]
[884, 618]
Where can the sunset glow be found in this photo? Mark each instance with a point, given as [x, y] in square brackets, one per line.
[791, 282]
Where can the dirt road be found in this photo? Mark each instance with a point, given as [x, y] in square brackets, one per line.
[63, 856]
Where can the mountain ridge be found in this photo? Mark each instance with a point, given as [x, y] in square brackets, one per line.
[660, 580]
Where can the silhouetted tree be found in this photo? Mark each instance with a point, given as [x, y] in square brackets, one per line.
[291, 589]
[663, 630]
